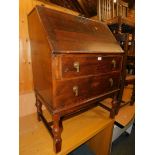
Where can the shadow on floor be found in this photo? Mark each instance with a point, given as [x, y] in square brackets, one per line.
[125, 144]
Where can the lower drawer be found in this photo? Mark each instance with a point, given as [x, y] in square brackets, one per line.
[75, 91]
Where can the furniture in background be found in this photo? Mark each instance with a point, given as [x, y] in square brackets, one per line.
[109, 9]
[122, 25]
[127, 78]
[115, 15]
[128, 44]
[74, 67]
[124, 120]
[92, 127]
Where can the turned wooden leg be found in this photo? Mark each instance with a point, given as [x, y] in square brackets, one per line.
[117, 104]
[114, 106]
[39, 108]
[56, 130]
[117, 107]
[133, 96]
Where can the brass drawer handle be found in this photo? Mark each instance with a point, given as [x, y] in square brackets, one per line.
[114, 63]
[111, 82]
[76, 90]
[77, 66]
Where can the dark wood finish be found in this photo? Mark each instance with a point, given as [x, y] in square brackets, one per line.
[86, 8]
[130, 66]
[132, 101]
[72, 5]
[64, 36]
[88, 87]
[129, 63]
[76, 63]
[115, 106]
[90, 65]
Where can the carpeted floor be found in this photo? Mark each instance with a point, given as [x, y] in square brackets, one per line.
[125, 144]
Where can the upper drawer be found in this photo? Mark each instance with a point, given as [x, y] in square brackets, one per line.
[81, 65]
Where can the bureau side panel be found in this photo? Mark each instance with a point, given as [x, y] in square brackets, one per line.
[41, 58]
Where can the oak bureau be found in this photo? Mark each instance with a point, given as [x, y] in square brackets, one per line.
[76, 62]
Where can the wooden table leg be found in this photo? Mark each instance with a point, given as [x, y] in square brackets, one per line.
[56, 130]
[118, 102]
[133, 96]
[114, 106]
[117, 107]
[54, 127]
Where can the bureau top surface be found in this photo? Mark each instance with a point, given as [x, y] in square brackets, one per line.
[75, 34]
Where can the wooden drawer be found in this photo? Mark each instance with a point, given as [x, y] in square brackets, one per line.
[74, 66]
[75, 91]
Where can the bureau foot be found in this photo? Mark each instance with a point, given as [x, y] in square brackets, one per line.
[117, 108]
[118, 103]
[112, 113]
[114, 107]
[54, 127]
[39, 108]
[56, 131]
[133, 96]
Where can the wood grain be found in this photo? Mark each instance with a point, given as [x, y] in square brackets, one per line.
[87, 89]
[55, 42]
[24, 49]
[101, 142]
[25, 69]
[35, 140]
[90, 64]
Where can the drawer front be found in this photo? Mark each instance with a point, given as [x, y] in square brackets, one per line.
[74, 66]
[75, 91]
